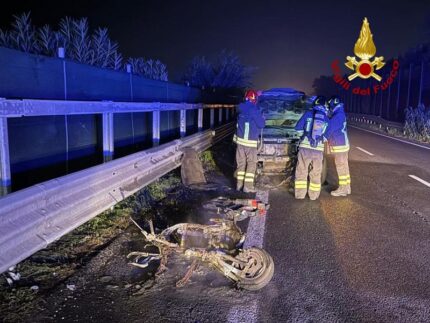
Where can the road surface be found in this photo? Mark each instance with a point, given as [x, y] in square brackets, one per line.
[361, 258]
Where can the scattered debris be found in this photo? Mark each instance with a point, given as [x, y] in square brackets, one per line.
[71, 287]
[34, 288]
[106, 279]
[112, 287]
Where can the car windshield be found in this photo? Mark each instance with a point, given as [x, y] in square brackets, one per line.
[281, 112]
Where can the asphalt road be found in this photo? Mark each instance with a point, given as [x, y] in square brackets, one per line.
[363, 258]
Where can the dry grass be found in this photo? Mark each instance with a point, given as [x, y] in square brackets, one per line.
[52, 266]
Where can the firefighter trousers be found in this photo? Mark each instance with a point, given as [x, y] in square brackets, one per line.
[309, 163]
[246, 161]
[342, 168]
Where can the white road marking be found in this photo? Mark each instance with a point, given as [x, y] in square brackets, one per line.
[393, 138]
[420, 180]
[365, 151]
[248, 313]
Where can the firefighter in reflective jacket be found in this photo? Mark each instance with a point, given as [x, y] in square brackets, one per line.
[250, 121]
[339, 145]
[311, 127]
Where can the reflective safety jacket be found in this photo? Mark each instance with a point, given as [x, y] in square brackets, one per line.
[336, 131]
[313, 125]
[250, 121]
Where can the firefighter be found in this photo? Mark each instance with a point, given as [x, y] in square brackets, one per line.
[250, 121]
[339, 145]
[311, 127]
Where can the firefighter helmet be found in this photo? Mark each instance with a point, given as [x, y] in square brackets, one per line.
[251, 96]
[319, 100]
[333, 102]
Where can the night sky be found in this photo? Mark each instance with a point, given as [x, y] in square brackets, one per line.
[291, 42]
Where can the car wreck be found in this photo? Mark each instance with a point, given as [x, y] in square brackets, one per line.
[218, 245]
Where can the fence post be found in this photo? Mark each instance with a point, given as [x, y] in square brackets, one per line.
[129, 71]
[388, 102]
[183, 123]
[156, 128]
[212, 122]
[4, 158]
[200, 119]
[61, 52]
[380, 107]
[409, 86]
[108, 140]
[398, 93]
[421, 82]
[375, 103]
[220, 110]
[227, 114]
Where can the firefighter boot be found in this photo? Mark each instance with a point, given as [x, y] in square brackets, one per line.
[299, 195]
[313, 195]
[249, 188]
[343, 190]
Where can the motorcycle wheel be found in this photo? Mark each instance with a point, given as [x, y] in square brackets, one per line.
[257, 272]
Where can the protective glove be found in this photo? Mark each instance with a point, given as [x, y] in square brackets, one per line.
[313, 142]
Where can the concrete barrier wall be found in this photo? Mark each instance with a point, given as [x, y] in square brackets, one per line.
[39, 77]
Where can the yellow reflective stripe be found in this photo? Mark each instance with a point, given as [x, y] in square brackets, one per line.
[305, 144]
[343, 176]
[241, 177]
[314, 148]
[247, 145]
[241, 173]
[314, 187]
[301, 184]
[249, 180]
[245, 142]
[339, 149]
[344, 182]
[250, 175]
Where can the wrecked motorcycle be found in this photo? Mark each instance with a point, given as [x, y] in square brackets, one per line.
[218, 245]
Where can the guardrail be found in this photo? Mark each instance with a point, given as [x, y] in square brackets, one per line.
[375, 120]
[32, 218]
[106, 109]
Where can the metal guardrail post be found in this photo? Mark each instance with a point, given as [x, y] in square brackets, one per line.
[4, 159]
[200, 120]
[155, 128]
[220, 111]
[212, 121]
[183, 123]
[108, 138]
